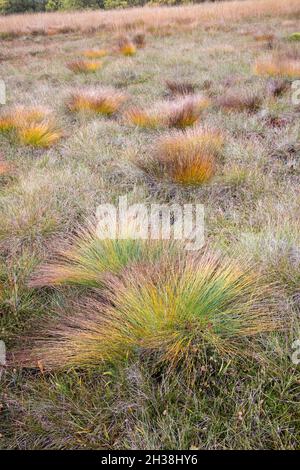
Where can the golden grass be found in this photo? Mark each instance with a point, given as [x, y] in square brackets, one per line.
[148, 18]
[105, 101]
[277, 67]
[171, 311]
[84, 66]
[181, 112]
[184, 157]
[95, 53]
[18, 116]
[39, 134]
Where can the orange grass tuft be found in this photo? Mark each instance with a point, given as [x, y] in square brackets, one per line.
[172, 311]
[180, 113]
[277, 67]
[95, 53]
[184, 157]
[84, 66]
[105, 101]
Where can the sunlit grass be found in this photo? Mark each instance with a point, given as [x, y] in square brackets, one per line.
[106, 101]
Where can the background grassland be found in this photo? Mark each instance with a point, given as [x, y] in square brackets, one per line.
[253, 206]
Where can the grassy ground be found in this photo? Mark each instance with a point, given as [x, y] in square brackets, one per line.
[251, 206]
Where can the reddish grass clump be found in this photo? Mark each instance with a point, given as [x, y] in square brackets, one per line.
[180, 87]
[184, 157]
[84, 66]
[180, 113]
[105, 101]
[172, 311]
[240, 101]
[139, 40]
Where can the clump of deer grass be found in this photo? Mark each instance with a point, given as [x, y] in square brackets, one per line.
[171, 311]
[95, 53]
[240, 101]
[84, 66]
[182, 112]
[90, 255]
[105, 101]
[277, 66]
[184, 157]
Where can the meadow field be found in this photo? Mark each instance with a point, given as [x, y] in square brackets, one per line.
[142, 344]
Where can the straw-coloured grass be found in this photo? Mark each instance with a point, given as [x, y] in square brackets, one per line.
[277, 67]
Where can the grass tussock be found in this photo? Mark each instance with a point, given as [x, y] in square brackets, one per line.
[43, 134]
[106, 101]
[180, 113]
[277, 66]
[171, 311]
[240, 101]
[184, 157]
[95, 53]
[176, 87]
[139, 40]
[84, 66]
[17, 116]
[90, 255]
[126, 47]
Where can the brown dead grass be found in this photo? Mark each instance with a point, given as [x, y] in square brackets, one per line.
[153, 19]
